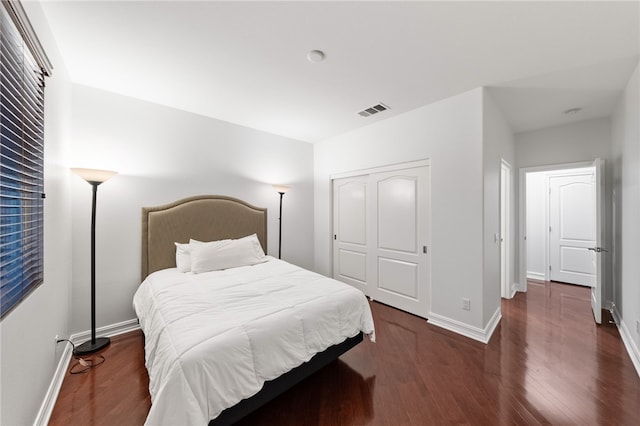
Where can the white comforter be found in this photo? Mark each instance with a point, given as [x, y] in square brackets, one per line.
[213, 339]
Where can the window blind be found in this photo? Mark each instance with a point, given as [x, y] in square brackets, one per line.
[21, 167]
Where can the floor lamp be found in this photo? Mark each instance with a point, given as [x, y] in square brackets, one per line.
[95, 178]
[281, 189]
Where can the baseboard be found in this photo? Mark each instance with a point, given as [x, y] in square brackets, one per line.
[536, 276]
[511, 291]
[107, 331]
[44, 413]
[493, 323]
[520, 287]
[480, 334]
[627, 339]
[49, 402]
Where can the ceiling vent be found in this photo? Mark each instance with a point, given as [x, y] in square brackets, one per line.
[373, 110]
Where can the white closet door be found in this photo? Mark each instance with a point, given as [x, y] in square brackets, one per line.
[350, 231]
[401, 251]
[381, 236]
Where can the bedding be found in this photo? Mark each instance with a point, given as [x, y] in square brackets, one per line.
[225, 254]
[183, 255]
[214, 338]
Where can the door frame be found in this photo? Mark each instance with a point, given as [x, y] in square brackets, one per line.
[381, 169]
[522, 212]
[550, 218]
[506, 287]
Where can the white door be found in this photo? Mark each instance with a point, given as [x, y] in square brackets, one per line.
[575, 249]
[597, 251]
[401, 251]
[572, 228]
[350, 221]
[381, 236]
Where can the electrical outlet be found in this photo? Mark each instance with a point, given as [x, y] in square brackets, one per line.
[58, 346]
[466, 304]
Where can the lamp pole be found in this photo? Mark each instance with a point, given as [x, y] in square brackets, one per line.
[280, 230]
[280, 189]
[94, 185]
[94, 178]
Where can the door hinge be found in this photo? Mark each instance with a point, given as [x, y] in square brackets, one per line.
[549, 229]
[424, 249]
[335, 236]
[549, 267]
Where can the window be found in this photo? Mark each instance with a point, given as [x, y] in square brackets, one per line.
[21, 158]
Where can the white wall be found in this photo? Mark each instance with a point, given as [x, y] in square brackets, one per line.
[29, 354]
[449, 134]
[163, 154]
[626, 175]
[573, 143]
[499, 144]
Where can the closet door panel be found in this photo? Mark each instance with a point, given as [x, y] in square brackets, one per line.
[352, 203]
[353, 265]
[398, 277]
[350, 257]
[397, 205]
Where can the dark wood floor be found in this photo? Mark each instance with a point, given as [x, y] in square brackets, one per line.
[547, 363]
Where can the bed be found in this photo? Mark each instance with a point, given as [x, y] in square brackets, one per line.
[220, 343]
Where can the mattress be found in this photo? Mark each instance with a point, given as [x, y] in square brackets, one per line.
[213, 339]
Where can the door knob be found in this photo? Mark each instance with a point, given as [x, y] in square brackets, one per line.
[597, 249]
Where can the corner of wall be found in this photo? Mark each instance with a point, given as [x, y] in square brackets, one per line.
[498, 146]
[625, 129]
[476, 333]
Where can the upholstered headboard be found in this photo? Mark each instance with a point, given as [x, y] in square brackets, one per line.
[204, 218]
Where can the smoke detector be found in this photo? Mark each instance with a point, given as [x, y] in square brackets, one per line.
[316, 56]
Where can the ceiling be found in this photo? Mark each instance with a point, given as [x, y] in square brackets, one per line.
[246, 62]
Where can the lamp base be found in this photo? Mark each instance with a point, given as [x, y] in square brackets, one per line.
[89, 348]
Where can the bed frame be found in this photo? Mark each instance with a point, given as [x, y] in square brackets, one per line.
[216, 217]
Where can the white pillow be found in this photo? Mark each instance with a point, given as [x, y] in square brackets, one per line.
[183, 255]
[225, 254]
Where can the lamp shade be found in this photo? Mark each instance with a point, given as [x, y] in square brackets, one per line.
[281, 188]
[94, 175]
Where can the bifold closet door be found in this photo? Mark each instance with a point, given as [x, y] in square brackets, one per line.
[381, 236]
